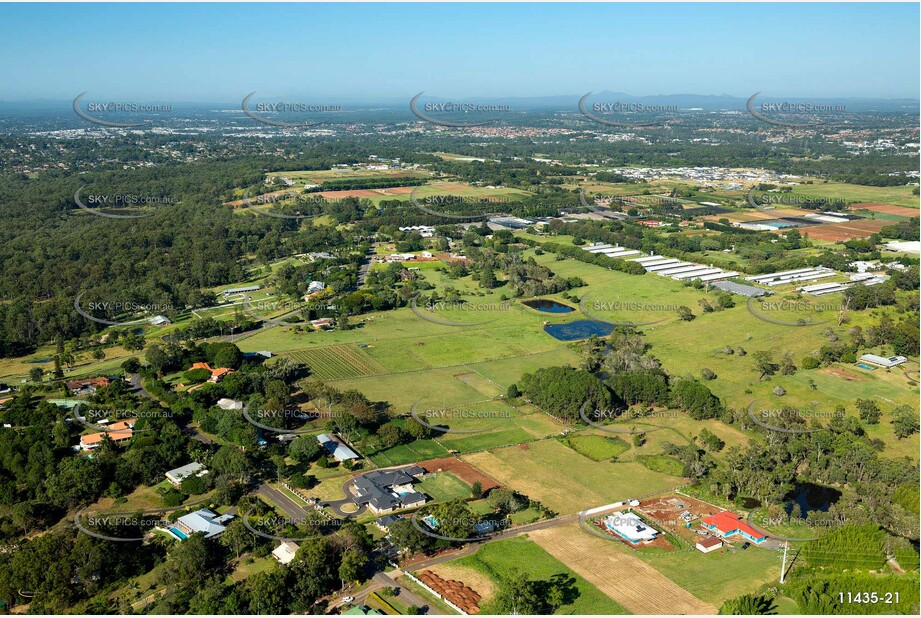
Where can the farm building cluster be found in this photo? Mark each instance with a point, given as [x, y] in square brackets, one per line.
[664, 266]
[702, 525]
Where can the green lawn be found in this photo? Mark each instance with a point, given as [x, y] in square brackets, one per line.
[497, 559]
[443, 486]
[596, 448]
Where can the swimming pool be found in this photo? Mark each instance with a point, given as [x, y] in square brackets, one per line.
[867, 367]
[179, 533]
[431, 521]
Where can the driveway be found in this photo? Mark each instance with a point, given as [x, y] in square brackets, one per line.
[292, 509]
[336, 505]
[388, 580]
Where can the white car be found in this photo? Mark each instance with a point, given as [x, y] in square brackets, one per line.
[348, 599]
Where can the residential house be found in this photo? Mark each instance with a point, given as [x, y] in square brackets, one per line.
[87, 386]
[883, 361]
[315, 286]
[118, 432]
[727, 524]
[177, 475]
[285, 552]
[216, 374]
[385, 491]
[202, 520]
[335, 447]
[630, 527]
[384, 523]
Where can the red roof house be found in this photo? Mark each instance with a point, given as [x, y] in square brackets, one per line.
[726, 524]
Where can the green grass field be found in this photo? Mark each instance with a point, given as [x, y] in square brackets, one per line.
[443, 486]
[716, 576]
[596, 448]
[496, 560]
[899, 195]
[547, 471]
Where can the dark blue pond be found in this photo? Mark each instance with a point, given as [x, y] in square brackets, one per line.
[547, 306]
[580, 329]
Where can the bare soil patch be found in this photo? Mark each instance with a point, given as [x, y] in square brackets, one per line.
[833, 232]
[888, 209]
[462, 470]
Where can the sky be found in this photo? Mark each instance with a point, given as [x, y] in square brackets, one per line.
[220, 52]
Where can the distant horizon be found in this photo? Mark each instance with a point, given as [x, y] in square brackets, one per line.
[399, 100]
[212, 53]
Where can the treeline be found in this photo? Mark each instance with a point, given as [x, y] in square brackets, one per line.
[351, 184]
[903, 230]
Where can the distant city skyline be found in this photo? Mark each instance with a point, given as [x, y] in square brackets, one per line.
[208, 53]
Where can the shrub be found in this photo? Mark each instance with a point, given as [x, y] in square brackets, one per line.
[810, 362]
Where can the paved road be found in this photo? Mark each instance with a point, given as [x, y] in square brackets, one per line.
[138, 389]
[364, 268]
[291, 508]
[388, 580]
[471, 548]
[383, 580]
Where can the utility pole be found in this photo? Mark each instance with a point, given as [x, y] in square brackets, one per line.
[783, 569]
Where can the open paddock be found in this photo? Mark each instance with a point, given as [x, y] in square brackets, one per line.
[461, 469]
[889, 209]
[565, 481]
[626, 579]
[834, 232]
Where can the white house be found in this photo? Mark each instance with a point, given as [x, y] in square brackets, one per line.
[630, 527]
[882, 361]
[285, 552]
[177, 475]
[315, 286]
[202, 520]
[229, 404]
[711, 543]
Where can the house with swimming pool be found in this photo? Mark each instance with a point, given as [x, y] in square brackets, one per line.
[727, 524]
[385, 491]
[202, 520]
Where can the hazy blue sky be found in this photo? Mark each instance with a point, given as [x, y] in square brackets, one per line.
[211, 52]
